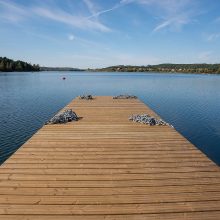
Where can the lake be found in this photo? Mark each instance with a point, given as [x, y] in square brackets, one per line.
[190, 102]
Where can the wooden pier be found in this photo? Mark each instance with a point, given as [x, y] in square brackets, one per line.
[107, 167]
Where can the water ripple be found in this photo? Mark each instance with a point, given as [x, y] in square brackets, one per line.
[189, 102]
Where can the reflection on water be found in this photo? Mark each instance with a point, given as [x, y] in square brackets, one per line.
[189, 102]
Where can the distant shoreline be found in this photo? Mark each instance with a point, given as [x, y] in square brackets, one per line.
[93, 71]
[9, 65]
[166, 68]
[161, 68]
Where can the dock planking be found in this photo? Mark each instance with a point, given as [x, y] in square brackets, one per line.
[107, 167]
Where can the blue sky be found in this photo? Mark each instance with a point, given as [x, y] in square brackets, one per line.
[98, 33]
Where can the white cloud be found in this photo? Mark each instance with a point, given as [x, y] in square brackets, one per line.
[92, 8]
[174, 23]
[114, 7]
[213, 37]
[13, 12]
[102, 12]
[163, 25]
[174, 14]
[69, 19]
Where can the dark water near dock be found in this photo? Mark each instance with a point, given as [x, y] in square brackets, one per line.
[191, 103]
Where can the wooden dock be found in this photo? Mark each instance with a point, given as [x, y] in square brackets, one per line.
[107, 167]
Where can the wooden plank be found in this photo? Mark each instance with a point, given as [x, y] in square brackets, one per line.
[107, 167]
[108, 199]
[64, 188]
[208, 215]
[100, 170]
[153, 164]
[110, 209]
[107, 183]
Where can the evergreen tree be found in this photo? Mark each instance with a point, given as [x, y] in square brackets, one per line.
[8, 65]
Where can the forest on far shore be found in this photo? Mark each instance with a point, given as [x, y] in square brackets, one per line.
[167, 67]
[8, 65]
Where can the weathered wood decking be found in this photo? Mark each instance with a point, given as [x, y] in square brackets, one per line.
[106, 167]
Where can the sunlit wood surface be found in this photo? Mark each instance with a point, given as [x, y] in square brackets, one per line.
[107, 167]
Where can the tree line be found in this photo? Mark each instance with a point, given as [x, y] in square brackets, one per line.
[8, 65]
[182, 68]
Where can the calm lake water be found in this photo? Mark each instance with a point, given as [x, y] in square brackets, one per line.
[191, 103]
